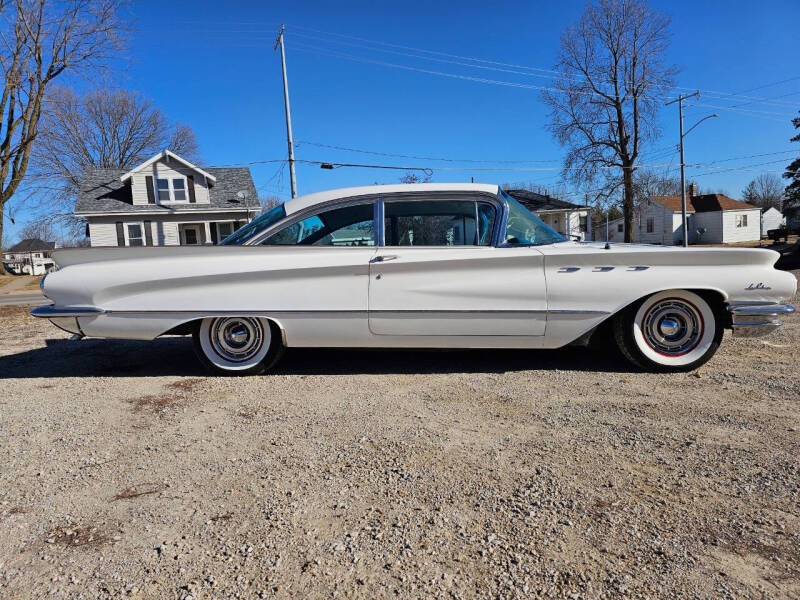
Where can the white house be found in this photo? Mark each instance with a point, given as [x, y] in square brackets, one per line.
[165, 201]
[711, 219]
[771, 218]
[30, 257]
[566, 218]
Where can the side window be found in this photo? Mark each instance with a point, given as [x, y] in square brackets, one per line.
[439, 223]
[346, 226]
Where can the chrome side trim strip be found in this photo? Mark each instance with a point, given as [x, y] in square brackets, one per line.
[50, 311]
[262, 311]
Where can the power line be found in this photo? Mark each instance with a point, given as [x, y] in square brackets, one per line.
[761, 87]
[534, 71]
[713, 162]
[739, 168]
[417, 56]
[413, 157]
[552, 72]
[324, 51]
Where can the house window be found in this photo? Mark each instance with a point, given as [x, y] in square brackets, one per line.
[179, 190]
[135, 234]
[171, 190]
[224, 230]
[650, 225]
[619, 227]
[741, 220]
[582, 224]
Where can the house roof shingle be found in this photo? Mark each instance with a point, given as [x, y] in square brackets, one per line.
[103, 192]
[703, 203]
[716, 202]
[32, 245]
[673, 203]
[536, 202]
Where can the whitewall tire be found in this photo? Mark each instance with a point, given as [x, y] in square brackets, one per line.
[237, 345]
[673, 330]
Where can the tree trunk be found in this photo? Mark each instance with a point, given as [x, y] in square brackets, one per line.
[627, 203]
[2, 217]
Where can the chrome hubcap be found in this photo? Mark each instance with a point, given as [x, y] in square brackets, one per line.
[672, 327]
[236, 339]
[669, 326]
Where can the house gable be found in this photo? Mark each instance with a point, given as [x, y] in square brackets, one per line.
[169, 183]
[167, 156]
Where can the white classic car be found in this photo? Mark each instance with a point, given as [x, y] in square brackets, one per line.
[416, 266]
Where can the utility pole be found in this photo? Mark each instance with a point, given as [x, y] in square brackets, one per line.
[293, 179]
[680, 100]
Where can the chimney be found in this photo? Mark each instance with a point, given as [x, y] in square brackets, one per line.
[693, 191]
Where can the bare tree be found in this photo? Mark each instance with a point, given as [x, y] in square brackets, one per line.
[554, 190]
[269, 202]
[102, 129]
[649, 183]
[609, 87]
[411, 177]
[765, 190]
[41, 40]
[39, 229]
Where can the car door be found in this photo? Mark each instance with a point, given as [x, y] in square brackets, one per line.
[321, 261]
[437, 273]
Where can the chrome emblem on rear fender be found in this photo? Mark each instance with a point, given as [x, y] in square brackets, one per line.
[757, 286]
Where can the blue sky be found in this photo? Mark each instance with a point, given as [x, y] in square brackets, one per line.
[215, 69]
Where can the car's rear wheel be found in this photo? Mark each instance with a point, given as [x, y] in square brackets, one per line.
[673, 330]
[237, 345]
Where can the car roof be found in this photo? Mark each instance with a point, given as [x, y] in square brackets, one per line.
[302, 202]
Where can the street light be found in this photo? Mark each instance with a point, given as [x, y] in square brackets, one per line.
[683, 176]
[680, 100]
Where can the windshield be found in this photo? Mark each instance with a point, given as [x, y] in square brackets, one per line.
[526, 229]
[260, 223]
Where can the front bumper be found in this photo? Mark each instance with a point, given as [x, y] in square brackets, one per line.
[754, 319]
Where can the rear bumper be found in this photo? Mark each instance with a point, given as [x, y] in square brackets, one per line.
[754, 319]
[50, 311]
[66, 318]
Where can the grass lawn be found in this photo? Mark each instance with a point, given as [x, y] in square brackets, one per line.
[31, 285]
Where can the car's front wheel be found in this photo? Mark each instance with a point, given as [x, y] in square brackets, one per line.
[673, 330]
[237, 345]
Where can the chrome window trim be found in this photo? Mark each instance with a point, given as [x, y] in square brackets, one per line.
[379, 222]
[310, 211]
[447, 196]
[378, 214]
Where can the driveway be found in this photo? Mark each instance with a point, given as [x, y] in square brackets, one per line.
[127, 472]
[22, 299]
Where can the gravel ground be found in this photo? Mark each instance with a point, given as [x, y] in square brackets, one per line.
[126, 472]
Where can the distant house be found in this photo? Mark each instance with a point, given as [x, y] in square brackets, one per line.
[710, 219]
[30, 257]
[771, 218]
[165, 201]
[566, 218]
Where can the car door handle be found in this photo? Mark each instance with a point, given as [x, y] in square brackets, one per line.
[384, 257]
